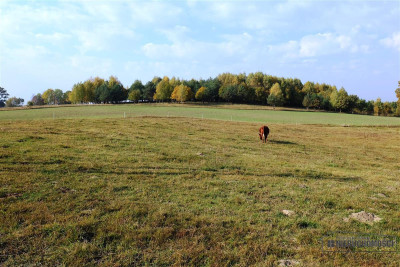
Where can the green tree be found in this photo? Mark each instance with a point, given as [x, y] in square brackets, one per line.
[134, 95]
[117, 92]
[3, 96]
[137, 85]
[316, 100]
[342, 101]
[228, 93]
[193, 84]
[58, 97]
[163, 90]
[211, 92]
[353, 99]
[149, 90]
[275, 97]
[14, 102]
[103, 94]
[308, 101]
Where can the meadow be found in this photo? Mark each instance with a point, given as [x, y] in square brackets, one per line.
[243, 113]
[167, 185]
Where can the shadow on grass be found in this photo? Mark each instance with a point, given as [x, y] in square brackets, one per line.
[282, 142]
[317, 175]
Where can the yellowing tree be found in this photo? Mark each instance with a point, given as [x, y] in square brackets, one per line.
[88, 91]
[48, 97]
[163, 90]
[182, 93]
[378, 107]
[200, 95]
[275, 97]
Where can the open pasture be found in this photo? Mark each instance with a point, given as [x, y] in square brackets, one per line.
[177, 191]
[243, 113]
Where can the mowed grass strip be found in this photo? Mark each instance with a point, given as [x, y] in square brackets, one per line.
[182, 191]
[243, 113]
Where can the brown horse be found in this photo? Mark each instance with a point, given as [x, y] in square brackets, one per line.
[263, 133]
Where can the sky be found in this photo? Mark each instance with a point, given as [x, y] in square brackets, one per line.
[55, 44]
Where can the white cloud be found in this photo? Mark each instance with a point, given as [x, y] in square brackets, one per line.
[183, 47]
[153, 12]
[392, 41]
[326, 43]
[52, 38]
[319, 44]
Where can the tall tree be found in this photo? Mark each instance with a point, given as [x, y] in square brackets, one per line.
[102, 93]
[378, 107]
[342, 101]
[149, 90]
[58, 97]
[200, 94]
[163, 90]
[275, 97]
[228, 93]
[77, 94]
[88, 93]
[398, 101]
[353, 99]
[134, 95]
[3, 96]
[256, 81]
[333, 98]
[309, 87]
[211, 92]
[308, 101]
[48, 97]
[182, 93]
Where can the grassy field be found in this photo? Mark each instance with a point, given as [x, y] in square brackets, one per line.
[244, 113]
[99, 189]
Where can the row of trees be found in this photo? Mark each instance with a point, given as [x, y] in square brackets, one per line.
[9, 102]
[255, 88]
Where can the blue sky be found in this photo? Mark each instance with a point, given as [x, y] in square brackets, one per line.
[54, 44]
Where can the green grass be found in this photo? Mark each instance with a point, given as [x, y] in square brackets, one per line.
[162, 191]
[244, 113]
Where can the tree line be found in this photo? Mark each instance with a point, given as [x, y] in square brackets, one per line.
[254, 88]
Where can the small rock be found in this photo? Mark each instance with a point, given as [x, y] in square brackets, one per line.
[288, 262]
[364, 217]
[288, 212]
